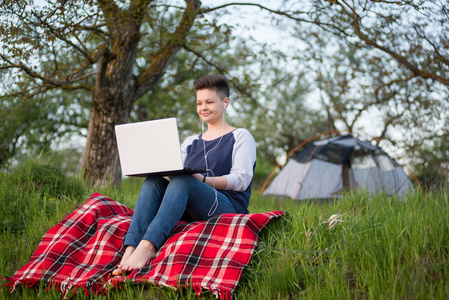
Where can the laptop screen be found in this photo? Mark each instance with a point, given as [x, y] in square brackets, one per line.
[149, 147]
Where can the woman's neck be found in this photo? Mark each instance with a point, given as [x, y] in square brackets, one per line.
[215, 131]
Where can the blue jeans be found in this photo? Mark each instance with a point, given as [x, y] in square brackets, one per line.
[162, 203]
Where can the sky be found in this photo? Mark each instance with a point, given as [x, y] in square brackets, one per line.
[256, 21]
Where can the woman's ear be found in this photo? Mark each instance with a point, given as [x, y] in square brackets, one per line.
[226, 102]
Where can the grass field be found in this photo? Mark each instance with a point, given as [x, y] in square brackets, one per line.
[374, 247]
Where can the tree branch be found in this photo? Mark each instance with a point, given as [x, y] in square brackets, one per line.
[31, 73]
[201, 56]
[64, 84]
[41, 90]
[21, 93]
[444, 60]
[95, 29]
[399, 3]
[94, 57]
[388, 122]
[376, 91]
[59, 36]
[110, 11]
[100, 78]
[366, 105]
[357, 30]
[63, 3]
[401, 59]
[242, 90]
[160, 60]
[355, 15]
[277, 12]
[207, 10]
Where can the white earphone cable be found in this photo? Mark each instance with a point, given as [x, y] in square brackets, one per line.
[215, 205]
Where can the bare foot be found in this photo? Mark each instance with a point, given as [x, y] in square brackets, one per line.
[128, 252]
[138, 259]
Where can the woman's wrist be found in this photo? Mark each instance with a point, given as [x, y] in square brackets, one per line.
[198, 176]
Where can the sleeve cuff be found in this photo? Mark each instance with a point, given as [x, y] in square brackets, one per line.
[231, 181]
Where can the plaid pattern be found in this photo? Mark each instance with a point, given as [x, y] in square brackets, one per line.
[83, 249]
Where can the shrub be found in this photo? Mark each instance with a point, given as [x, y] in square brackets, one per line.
[41, 176]
[34, 187]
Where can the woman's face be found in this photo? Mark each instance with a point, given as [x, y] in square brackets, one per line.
[210, 107]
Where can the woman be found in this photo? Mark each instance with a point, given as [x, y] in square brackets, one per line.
[229, 155]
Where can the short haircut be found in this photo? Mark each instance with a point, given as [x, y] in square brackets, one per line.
[218, 83]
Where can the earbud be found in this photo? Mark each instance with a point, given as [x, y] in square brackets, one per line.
[225, 106]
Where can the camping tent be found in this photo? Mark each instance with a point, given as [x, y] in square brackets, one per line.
[327, 167]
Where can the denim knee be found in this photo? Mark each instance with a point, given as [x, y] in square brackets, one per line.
[154, 182]
[182, 179]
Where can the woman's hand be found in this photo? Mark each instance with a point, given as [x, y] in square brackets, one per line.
[198, 176]
[219, 182]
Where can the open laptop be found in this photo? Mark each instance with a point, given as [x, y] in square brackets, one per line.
[151, 148]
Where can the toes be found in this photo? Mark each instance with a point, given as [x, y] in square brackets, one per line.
[126, 268]
[117, 271]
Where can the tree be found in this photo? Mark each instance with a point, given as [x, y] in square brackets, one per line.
[124, 57]
[33, 125]
[410, 32]
[285, 117]
[106, 39]
[431, 166]
[384, 65]
[351, 81]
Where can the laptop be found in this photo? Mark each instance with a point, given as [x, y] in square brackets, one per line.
[151, 148]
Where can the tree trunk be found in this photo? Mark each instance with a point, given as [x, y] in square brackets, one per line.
[112, 99]
[101, 163]
[117, 88]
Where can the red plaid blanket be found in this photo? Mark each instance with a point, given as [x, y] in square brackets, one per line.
[83, 249]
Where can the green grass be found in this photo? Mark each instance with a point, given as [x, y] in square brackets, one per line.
[382, 248]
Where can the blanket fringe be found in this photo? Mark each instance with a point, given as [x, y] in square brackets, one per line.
[219, 292]
[98, 288]
[95, 289]
[49, 287]
[225, 294]
[198, 289]
[13, 283]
